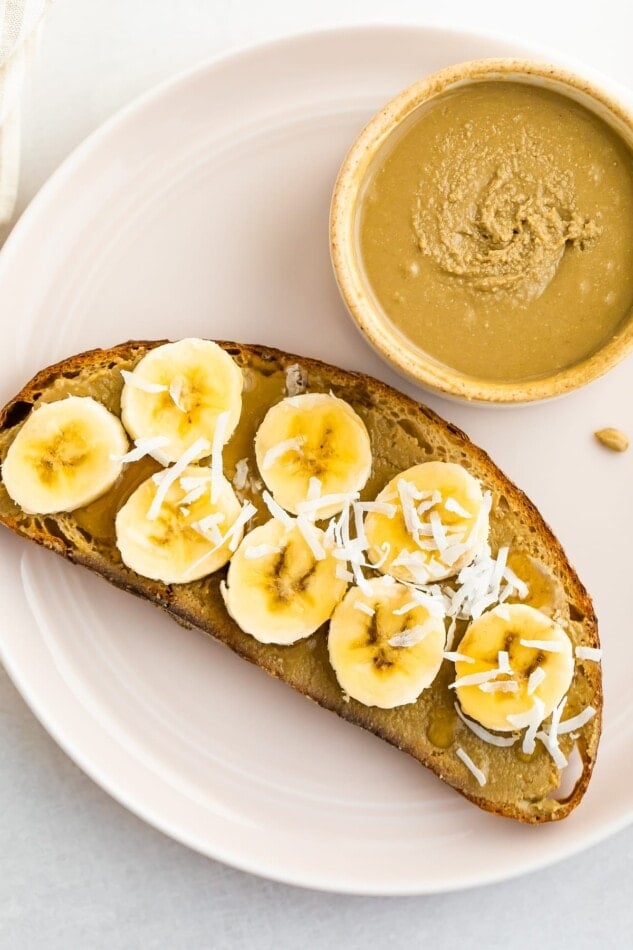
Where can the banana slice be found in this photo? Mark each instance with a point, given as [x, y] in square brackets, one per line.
[189, 537]
[182, 391]
[384, 646]
[520, 659]
[62, 457]
[278, 589]
[435, 520]
[313, 436]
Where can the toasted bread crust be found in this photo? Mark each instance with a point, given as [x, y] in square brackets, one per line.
[178, 602]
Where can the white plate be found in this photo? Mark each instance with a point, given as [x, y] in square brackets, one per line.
[202, 210]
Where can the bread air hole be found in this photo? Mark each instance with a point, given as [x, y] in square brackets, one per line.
[17, 413]
[575, 614]
[412, 429]
[53, 528]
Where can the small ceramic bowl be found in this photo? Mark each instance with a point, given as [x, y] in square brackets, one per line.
[366, 312]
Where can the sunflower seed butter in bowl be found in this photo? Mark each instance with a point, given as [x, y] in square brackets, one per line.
[482, 231]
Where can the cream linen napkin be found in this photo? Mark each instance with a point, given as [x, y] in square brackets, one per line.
[20, 24]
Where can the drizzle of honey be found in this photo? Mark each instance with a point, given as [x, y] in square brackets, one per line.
[441, 727]
[545, 592]
[97, 518]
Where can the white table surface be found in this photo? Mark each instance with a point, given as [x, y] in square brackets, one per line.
[76, 869]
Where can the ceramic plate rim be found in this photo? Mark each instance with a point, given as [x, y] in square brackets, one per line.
[37, 703]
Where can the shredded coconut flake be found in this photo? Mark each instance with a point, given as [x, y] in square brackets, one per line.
[296, 380]
[456, 657]
[361, 537]
[241, 475]
[275, 452]
[556, 716]
[501, 686]
[470, 765]
[193, 495]
[360, 578]
[219, 438]
[452, 505]
[589, 653]
[170, 475]
[503, 662]
[189, 482]
[345, 548]
[408, 495]
[277, 511]
[474, 679]
[142, 448]
[547, 646]
[387, 581]
[260, 550]
[209, 528]
[503, 612]
[385, 548]
[378, 507]
[516, 582]
[453, 552]
[499, 568]
[552, 746]
[312, 537]
[450, 633]
[433, 604]
[549, 737]
[535, 679]
[314, 488]
[416, 563]
[343, 574]
[406, 608]
[490, 737]
[364, 608]
[530, 721]
[144, 385]
[175, 391]
[577, 722]
[479, 582]
[409, 511]
[326, 501]
[439, 532]
[233, 534]
[410, 637]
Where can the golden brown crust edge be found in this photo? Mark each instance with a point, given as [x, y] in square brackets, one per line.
[162, 595]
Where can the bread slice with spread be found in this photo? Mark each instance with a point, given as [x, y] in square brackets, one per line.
[332, 531]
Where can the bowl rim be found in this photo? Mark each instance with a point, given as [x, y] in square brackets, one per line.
[389, 342]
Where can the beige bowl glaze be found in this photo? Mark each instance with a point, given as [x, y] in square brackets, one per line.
[389, 342]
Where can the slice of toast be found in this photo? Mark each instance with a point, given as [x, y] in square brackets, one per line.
[403, 433]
